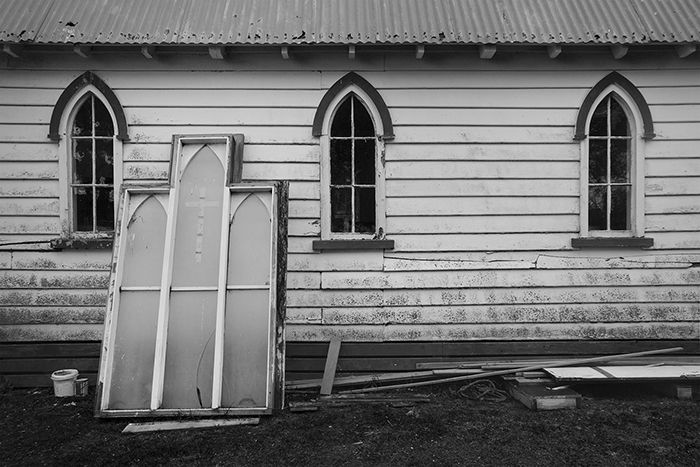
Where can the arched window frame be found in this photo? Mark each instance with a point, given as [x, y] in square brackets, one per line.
[70, 106]
[330, 106]
[636, 122]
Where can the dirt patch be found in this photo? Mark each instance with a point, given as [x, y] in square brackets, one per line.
[611, 428]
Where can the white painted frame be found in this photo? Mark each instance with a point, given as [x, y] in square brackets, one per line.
[637, 158]
[272, 208]
[65, 161]
[177, 168]
[379, 164]
[126, 210]
[107, 354]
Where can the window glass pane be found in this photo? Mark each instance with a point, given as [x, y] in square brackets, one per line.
[364, 210]
[597, 160]
[245, 353]
[82, 124]
[189, 365]
[597, 208]
[341, 120]
[619, 160]
[618, 120]
[105, 208]
[341, 162]
[364, 162]
[620, 209]
[103, 121]
[104, 166]
[599, 121]
[341, 209]
[82, 208]
[363, 121]
[82, 161]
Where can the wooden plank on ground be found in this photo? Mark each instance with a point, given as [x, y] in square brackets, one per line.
[360, 379]
[338, 399]
[145, 427]
[489, 374]
[540, 397]
[378, 378]
[331, 364]
[303, 407]
[523, 380]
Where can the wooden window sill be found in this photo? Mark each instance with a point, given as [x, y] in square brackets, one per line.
[82, 243]
[612, 242]
[321, 245]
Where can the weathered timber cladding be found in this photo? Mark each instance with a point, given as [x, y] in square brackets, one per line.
[30, 364]
[482, 193]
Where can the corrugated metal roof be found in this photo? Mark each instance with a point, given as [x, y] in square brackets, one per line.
[21, 19]
[114, 21]
[289, 22]
[670, 20]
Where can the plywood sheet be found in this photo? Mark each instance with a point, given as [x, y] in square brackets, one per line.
[605, 373]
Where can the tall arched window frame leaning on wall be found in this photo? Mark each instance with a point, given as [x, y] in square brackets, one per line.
[612, 132]
[89, 125]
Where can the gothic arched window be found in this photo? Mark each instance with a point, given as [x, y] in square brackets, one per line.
[89, 125]
[610, 167]
[353, 148]
[353, 123]
[92, 166]
[613, 124]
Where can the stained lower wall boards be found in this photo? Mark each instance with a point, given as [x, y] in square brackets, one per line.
[194, 322]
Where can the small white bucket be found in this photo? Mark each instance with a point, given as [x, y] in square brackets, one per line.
[64, 382]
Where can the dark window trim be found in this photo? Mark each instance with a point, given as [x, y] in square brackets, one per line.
[339, 86]
[612, 242]
[349, 244]
[624, 83]
[86, 79]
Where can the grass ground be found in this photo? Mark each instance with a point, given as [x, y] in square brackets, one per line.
[612, 427]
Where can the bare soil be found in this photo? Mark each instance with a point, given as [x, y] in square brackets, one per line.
[614, 426]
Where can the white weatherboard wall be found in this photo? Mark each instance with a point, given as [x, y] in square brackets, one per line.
[482, 192]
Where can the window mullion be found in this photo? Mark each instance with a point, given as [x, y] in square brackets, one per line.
[94, 170]
[352, 163]
[608, 188]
